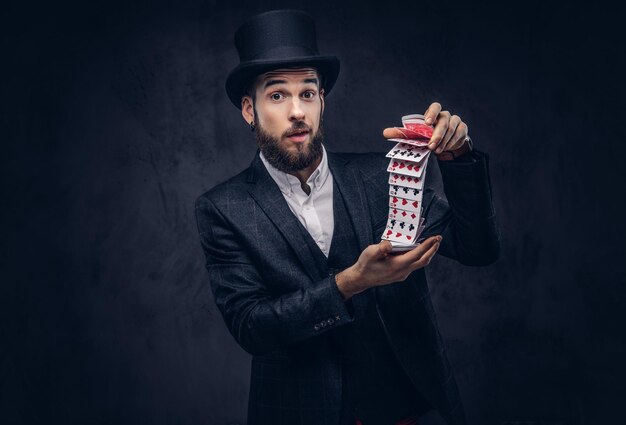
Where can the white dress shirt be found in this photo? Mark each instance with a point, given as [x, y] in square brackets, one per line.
[315, 211]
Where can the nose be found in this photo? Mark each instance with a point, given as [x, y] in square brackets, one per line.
[296, 113]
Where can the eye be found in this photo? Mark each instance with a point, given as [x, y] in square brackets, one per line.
[276, 96]
[308, 94]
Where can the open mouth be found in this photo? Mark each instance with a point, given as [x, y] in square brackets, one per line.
[298, 136]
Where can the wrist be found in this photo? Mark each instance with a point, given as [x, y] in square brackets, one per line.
[464, 149]
[347, 283]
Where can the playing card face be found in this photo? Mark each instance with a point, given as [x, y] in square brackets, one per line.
[403, 215]
[400, 231]
[405, 204]
[408, 181]
[408, 168]
[411, 193]
[402, 246]
[408, 152]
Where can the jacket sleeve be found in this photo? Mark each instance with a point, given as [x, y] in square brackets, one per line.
[261, 321]
[467, 221]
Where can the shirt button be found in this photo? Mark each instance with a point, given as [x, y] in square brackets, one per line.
[316, 327]
[330, 321]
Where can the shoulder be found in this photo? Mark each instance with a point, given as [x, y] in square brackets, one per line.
[232, 190]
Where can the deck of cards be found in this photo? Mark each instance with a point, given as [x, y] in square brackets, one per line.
[407, 170]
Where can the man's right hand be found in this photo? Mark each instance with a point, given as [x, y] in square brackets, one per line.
[377, 266]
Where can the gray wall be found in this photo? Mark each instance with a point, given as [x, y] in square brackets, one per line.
[115, 119]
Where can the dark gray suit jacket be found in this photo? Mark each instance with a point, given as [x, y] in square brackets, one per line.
[280, 307]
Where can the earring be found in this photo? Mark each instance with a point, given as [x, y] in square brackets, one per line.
[251, 125]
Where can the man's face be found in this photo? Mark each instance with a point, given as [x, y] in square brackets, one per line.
[288, 117]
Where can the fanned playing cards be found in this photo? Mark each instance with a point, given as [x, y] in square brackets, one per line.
[408, 161]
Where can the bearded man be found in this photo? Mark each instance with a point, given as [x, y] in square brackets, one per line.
[341, 331]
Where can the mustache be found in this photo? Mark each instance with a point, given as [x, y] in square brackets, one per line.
[297, 127]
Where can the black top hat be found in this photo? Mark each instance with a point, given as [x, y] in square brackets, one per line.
[277, 39]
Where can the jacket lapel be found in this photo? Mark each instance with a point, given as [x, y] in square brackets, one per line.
[270, 199]
[352, 189]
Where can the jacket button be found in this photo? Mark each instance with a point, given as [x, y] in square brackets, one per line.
[323, 323]
[316, 327]
[330, 321]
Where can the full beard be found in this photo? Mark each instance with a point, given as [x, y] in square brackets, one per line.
[286, 161]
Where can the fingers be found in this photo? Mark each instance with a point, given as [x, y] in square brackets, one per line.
[460, 135]
[417, 253]
[384, 248]
[377, 267]
[377, 251]
[449, 133]
[425, 259]
[430, 116]
[392, 133]
[452, 126]
[441, 127]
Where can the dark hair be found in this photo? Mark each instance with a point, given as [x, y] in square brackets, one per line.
[251, 90]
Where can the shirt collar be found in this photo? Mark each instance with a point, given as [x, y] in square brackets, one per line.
[288, 183]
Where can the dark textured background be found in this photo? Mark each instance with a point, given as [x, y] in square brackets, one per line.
[114, 119]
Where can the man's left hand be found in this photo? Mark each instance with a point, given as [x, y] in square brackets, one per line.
[449, 133]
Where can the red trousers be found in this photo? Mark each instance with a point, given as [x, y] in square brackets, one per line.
[411, 420]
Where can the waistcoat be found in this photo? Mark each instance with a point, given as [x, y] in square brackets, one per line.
[375, 388]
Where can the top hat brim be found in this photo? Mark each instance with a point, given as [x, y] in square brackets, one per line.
[240, 78]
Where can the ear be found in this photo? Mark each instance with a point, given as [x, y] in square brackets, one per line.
[322, 99]
[247, 109]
